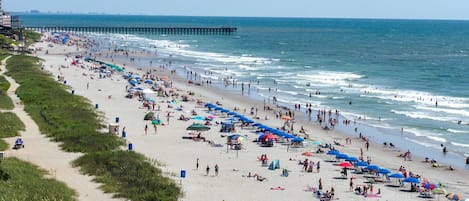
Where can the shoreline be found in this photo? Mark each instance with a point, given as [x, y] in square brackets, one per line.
[378, 135]
[150, 145]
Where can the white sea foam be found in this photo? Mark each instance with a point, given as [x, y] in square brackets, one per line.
[444, 110]
[456, 131]
[459, 144]
[422, 115]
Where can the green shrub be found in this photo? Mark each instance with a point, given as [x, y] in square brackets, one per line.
[130, 174]
[11, 125]
[22, 181]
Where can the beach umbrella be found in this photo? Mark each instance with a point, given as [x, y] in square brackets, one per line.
[133, 82]
[332, 152]
[384, 171]
[346, 165]
[307, 153]
[211, 117]
[341, 156]
[224, 110]
[430, 186]
[257, 124]
[148, 82]
[352, 159]
[199, 118]
[372, 167]
[297, 139]
[197, 127]
[288, 136]
[361, 164]
[397, 176]
[232, 113]
[267, 136]
[412, 180]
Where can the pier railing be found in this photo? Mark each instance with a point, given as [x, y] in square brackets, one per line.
[139, 30]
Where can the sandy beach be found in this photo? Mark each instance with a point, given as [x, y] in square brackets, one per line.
[175, 154]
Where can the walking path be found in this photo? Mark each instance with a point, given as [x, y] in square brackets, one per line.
[46, 154]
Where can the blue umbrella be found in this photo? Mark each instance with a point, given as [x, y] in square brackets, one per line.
[372, 167]
[341, 156]
[200, 118]
[288, 136]
[225, 110]
[257, 124]
[352, 159]
[148, 81]
[232, 113]
[332, 152]
[412, 180]
[384, 171]
[248, 121]
[297, 139]
[397, 176]
[361, 164]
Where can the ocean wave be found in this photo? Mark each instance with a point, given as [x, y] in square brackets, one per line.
[456, 131]
[438, 139]
[444, 110]
[329, 77]
[459, 144]
[422, 115]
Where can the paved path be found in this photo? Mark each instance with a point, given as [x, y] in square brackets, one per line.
[46, 154]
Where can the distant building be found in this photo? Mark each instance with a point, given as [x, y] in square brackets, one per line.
[15, 22]
[6, 21]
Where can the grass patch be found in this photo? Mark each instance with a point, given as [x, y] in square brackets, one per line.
[73, 121]
[62, 116]
[27, 182]
[5, 102]
[11, 125]
[3, 145]
[130, 174]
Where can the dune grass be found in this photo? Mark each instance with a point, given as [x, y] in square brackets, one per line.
[5, 101]
[73, 121]
[22, 181]
[130, 174]
[62, 116]
[3, 145]
[10, 125]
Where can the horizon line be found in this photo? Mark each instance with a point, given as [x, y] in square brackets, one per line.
[233, 16]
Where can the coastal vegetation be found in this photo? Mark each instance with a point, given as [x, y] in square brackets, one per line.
[72, 121]
[31, 37]
[11, 125]
[129, 174]
[5, 101]
[22, 181]
[3, 145]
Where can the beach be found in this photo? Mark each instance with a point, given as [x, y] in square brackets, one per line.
[175, 154]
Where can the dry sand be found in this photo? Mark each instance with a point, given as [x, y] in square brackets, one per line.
[175, 154]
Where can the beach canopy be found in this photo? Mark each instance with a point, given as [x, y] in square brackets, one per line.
[199, 118]
[333, 152]
[361, 164]
[372, 167]
[412, 180]
[383, 171]
[397, 176]
[341, 156]
[197, 127]
[352, 159]
[298, 139]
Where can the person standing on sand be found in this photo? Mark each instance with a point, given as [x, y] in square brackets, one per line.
[197, 164]
[467, 162]
[318, 166]
[207, 170]
[320, 184]
[351, 185]
[146, 128]
[156, 129]
[216, 169]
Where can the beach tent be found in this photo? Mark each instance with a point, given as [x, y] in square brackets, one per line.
[197, 127]
[275, 164]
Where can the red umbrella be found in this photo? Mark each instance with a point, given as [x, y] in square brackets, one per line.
[346, 164]
[269, 136]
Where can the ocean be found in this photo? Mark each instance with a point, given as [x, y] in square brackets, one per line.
[388, 75]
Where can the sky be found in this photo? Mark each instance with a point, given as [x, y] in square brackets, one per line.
[388, 9]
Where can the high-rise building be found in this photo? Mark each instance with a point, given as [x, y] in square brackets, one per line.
[1, 9]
